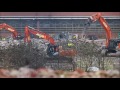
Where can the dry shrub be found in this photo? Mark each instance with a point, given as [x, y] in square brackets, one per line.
[89, 54]
[19, 56]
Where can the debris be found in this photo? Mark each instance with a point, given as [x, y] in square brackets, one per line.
[49, 73]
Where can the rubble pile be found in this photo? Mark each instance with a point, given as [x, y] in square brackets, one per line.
[49, 73]
[16, 56]
[37, 43]
[8, 44]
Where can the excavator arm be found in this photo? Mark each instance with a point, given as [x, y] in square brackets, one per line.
[37, 33]
[105, 25]
[51, 49]
[9, 28]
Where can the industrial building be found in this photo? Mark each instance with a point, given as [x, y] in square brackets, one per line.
[55, 22]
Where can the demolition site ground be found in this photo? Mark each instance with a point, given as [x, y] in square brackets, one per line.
[16, 54]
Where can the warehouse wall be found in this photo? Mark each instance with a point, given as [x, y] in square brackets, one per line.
[59, 25]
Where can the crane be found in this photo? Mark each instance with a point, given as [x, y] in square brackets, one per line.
[111, 44]
[9, 28]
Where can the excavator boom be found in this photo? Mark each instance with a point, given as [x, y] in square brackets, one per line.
[9, 28]
[105, 25]
[37, 33]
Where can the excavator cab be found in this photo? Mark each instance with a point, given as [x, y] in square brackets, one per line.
[52, 50]
[113, 45]
[111, 48]
[19, 37]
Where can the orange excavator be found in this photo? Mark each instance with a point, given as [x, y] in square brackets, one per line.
[53, 50]
[9, 28]
[111, 44]
[55, 53]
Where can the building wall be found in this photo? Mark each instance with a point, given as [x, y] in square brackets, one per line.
[58, 25]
